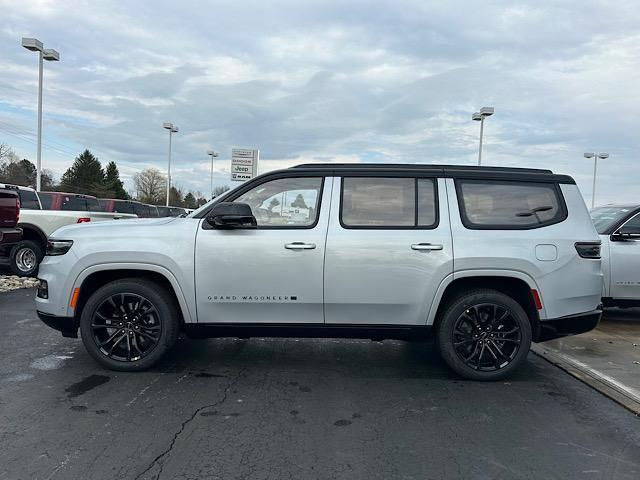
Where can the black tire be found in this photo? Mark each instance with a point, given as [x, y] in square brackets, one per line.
[112, 313]
[484, 335]
[25, 258]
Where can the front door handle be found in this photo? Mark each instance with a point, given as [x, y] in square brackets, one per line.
[300, 246]
[426, 246]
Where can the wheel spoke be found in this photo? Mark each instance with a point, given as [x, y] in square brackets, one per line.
[113, 335]
[115, 344]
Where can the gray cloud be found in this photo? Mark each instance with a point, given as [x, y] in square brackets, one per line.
[322, 81]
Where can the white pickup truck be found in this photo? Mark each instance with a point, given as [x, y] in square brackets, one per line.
[619, 229]
[37, 224]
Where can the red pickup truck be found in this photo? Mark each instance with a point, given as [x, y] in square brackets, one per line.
[9, 214]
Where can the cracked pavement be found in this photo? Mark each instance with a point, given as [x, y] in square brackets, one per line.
[287, 408]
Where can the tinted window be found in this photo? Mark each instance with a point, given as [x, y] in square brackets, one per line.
[28, 200]
[388, 202]
[500, 204]
[634, 223]
[93, 205]
[121, 206]
[164, 211]
[46, 199]
[285, 202]
[141, 210]
[153, 211]
[71, 202]
[104, 205]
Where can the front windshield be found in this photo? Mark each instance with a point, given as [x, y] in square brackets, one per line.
[604, 217]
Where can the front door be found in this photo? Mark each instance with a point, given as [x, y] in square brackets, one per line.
[272, 274]
[624, 264]
[388, 249]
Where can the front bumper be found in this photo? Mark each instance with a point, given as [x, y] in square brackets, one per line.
[565, 326]
[68, 326]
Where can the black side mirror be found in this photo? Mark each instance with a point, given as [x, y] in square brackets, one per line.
[626, 233]
[228, 215]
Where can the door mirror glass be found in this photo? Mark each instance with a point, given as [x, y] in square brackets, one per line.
[228, 215]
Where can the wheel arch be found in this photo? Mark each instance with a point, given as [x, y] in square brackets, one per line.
[33, 232]
[94, 277]
[515, 284]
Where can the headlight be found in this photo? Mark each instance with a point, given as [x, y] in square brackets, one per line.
[58, 247]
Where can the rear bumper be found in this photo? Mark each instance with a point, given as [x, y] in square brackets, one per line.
[569, 325]
[10, 235]
[68, 326]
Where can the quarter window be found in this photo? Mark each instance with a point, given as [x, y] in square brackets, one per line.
[285, 202]
[380, 202]
[509, 205]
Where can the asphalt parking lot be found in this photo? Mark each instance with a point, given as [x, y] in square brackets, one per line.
[275, 409]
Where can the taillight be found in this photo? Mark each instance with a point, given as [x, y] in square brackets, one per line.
[83, 220]
[588, 249]
[17, 209]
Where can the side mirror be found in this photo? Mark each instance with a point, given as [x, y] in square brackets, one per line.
[228, 215]
[626, 233]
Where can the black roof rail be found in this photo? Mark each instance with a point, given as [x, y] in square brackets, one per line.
[417, 166]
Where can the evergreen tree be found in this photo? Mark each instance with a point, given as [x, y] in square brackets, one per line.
[84, 176]
[190, 201]
[113, 182]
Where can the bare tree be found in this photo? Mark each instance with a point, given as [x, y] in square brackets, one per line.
[151, 185]
[5, 152]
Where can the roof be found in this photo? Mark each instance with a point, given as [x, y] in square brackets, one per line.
[67, 193]
[455, 171]
[9, 186]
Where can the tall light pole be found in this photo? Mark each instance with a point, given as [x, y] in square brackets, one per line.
[480, 116]
[50, 55]
[212, 154]
[595, 157]
[172, 129]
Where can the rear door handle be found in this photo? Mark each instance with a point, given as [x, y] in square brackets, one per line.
[300, 246]
[426, 246]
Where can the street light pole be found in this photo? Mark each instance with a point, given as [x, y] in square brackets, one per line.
[595, 157]
[50, 55]
[480, 116]
[172, 129]
[213, 155]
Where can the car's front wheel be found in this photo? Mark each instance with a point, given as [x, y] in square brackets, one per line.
[129, 324]
[484, 335]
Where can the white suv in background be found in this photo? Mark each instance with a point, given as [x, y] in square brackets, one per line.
[485, 260]
[619, 229]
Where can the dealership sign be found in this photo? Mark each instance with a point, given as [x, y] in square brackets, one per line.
[244, 164]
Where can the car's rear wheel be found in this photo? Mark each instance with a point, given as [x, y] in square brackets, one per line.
[484, 335]
[25, 257]
[129, 324]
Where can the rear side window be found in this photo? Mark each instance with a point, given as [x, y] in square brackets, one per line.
[73, 203]
[93, 205]
[28, 200]
[120, 206]
[380, 202]
[489, 204]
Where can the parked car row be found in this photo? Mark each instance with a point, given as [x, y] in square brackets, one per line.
[44, 212]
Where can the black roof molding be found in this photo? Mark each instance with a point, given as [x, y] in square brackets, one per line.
[455, 171]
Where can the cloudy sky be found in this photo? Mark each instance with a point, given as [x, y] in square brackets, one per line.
[322, 81]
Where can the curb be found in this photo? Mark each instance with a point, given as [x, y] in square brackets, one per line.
[607, 386]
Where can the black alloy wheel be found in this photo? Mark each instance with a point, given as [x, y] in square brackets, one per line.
[486, 337]
[126, 327]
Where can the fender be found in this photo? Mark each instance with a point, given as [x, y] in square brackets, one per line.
[101, 267]
[528, 279]
[30, 226]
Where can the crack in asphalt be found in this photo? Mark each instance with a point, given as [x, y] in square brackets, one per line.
[162, 457]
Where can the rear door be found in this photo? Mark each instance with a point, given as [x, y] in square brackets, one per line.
[388, 248]
[624, 264]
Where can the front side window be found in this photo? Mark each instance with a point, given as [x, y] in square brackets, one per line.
[370, 202]
[285, 202]
[497, 204]
[46, 199]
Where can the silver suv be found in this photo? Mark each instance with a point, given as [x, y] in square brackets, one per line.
[484, 260]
